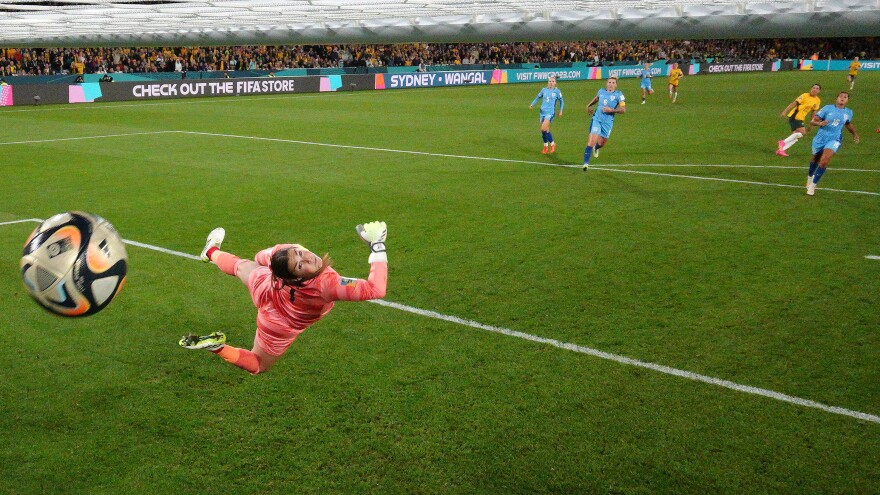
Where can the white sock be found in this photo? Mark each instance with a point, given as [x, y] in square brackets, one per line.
[552, 143]
[790, 140]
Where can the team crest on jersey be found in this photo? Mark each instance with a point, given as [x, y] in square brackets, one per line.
[613, 98]
[347, 281]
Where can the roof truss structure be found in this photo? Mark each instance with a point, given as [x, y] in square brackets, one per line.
[57, 23]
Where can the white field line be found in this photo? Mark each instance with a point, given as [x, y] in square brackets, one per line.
[585, 350]
[84, 137]
[872, 257]
[367, 148]
[698, 165]
[738, 181]
[635, 362]
[21, 221]
[506, 160]
[162, 250]
[151, 103]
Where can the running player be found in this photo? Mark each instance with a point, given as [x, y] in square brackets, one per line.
[548, 97]
[611, 102]
[831, 120]
[854, 67]
[674, 75]
[797, 112]
[646, 82]
[292, 288]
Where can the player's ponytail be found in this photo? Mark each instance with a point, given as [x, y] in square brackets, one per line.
[281, 275]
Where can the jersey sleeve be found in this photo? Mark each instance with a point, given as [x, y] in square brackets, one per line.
[561, 102]
[338, 288]
[538, 98]
[822, 113]
[264, 257]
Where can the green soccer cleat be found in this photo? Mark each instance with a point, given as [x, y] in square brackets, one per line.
[210, 342]
[215, 239]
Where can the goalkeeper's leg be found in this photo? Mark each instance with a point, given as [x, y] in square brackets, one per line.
[254, 361]
[231, 264]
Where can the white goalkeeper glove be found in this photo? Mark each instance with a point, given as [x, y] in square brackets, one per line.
[374, 234]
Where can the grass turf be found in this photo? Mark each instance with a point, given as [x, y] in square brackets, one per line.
[759, 285]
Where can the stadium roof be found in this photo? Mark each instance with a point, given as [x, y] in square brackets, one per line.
[51, 23]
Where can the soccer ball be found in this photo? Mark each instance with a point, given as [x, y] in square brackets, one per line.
[74, 264]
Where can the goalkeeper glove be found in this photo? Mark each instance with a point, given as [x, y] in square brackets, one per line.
[374, 234]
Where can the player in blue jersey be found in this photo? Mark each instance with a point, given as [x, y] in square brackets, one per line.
[548, 97]
[646, 82]
[830, 120]
[611, 102]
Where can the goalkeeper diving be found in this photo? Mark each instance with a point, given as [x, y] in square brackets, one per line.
[292, 288]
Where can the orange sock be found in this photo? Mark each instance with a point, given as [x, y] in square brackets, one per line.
[242, 358]
[224, 261]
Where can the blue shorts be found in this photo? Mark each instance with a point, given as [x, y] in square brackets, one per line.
[546, 117]
[646, 83]
[821, 143]
[602, 128]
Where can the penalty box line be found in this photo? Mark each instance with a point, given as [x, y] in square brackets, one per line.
[617, 358]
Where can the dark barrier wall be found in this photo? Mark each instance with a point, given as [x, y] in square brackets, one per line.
[43, 94]
[40, 94]
[358, 82]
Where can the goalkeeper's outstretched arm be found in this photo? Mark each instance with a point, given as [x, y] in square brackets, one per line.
[355, 289]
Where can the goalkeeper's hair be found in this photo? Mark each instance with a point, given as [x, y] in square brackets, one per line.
[281, 270]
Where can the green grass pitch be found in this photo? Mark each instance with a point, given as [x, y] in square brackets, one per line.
[756, 284]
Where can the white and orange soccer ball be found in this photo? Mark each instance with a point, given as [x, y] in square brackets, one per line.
[74, 264]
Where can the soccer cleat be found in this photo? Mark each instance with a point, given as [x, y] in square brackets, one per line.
[215, 239]
[209, 342]
[780, 152]
[643, 102]
[809, 180]
[553, 148]
[586, 166]
[595, 152]
[811, 189]
[544, 151]
[781, 145]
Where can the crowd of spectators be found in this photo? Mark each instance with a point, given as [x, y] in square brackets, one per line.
[46, 61]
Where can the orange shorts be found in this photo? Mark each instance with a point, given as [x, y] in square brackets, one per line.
[274, 333]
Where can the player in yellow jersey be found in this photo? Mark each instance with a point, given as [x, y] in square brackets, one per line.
[674, 75]
[798, 112]
[853, 72]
